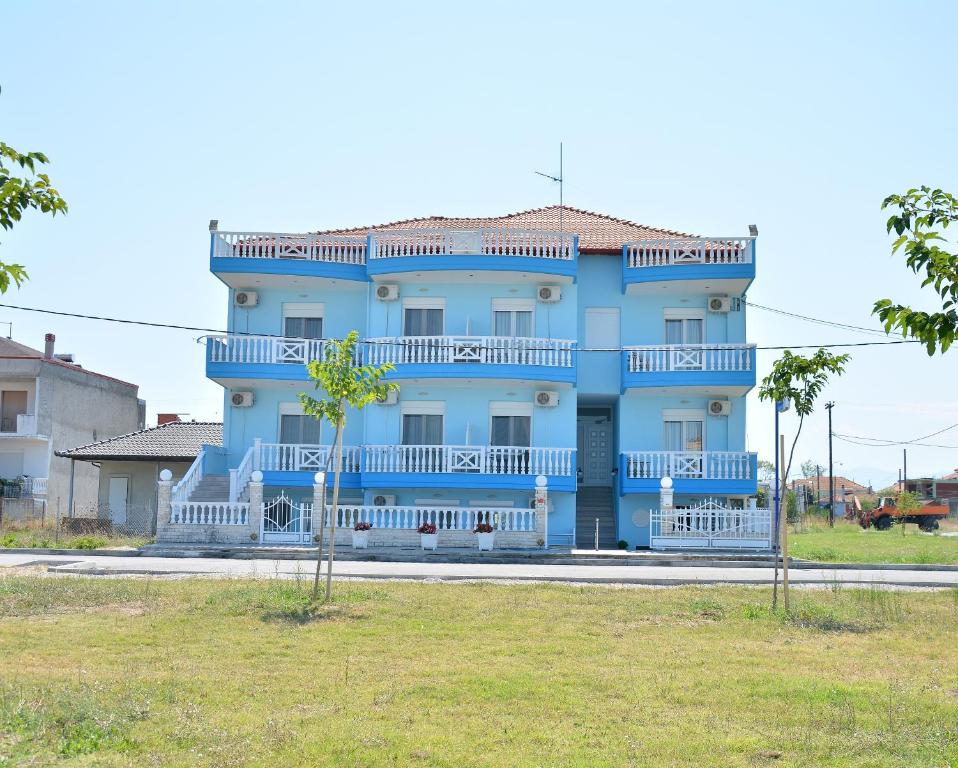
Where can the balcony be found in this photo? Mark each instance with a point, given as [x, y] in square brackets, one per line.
[243, 259]
[295, 465]
[479, 357]
[261, 357]
[21, 425]
[531, 253]
[698, 472]
[720, 369]
[467, 466]
[705, 265]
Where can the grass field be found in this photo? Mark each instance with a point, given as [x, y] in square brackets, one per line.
[122, 672]
[48, 538]
[850, 543]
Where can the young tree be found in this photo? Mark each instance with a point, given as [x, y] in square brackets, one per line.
[809, 469]
[766, 471]
[906, 503]
[19, 194]
[920, 214]
[346, 384]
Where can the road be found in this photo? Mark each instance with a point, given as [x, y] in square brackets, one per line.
[98, 565]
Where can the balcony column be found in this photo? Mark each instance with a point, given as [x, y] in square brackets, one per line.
[255, 503]
[319, 503]
[257, 453]
[542, 510]
[164, 497]
[665, 505]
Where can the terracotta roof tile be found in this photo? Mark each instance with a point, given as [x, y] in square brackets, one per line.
[598, 233]
[176, 440]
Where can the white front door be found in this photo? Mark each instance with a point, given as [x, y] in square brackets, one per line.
[119, 489]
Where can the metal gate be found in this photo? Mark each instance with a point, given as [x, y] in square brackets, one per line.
[713, 525]
[286, 522]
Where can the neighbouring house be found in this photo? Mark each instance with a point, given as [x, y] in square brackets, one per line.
[130, 465]
[49, 403]
[849, 495]
[556, 366]
[935, 490]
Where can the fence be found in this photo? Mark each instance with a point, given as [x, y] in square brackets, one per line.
[35, 522]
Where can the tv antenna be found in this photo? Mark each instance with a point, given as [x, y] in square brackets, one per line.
[559, 179]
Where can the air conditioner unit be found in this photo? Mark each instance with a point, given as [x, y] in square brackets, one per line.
[245, 298]
[549, 294]
[547, 399]
[241, 399]
[384, 500]
[719, 407]
[387, 292]
[391, 398]
[719, 304]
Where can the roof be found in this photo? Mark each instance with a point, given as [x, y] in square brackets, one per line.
[178, 440]
[14, 350]
[850, 486]
[597, 232]
[951, 476]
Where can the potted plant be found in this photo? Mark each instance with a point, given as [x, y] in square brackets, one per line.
[485, 534]
[361, 534]
[428, 536]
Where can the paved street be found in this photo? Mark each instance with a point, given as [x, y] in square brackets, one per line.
[95, 565]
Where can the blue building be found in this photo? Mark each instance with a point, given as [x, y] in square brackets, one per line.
[597, 353]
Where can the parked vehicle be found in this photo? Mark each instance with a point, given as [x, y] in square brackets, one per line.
[886, 514]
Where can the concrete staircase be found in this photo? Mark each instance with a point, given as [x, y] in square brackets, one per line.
[212, 488]
[591, 502]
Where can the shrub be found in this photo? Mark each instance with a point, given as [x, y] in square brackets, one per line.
[623, 544]
[88, 542]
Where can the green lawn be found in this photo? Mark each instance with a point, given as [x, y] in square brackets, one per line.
[850, 543]
[123, 672]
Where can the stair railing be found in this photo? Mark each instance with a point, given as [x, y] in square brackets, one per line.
[184, 489]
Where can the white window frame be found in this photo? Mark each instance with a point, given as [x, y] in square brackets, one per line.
[684, 313]
[304, 309]
[511, 408]
[686, 414]
[291, 409]
[512, 305]
[423, 302]
[422, 408]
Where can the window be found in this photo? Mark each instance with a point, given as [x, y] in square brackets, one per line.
[684, 434]
[421, 429]
[299, 429]
[303, 320]
[512, 430]
[512, 317]
[12, 404]
[423, 317]
[684, 326]
[510, 426]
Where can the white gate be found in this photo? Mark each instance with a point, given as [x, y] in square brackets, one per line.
[286, 522]
[713, 525]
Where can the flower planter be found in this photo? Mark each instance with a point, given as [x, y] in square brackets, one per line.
[429, 540]
[360, 539]
[486, 541]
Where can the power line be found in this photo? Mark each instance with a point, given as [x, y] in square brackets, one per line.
[390, 342]
[831, 323]
[846, 439]
[914, 441]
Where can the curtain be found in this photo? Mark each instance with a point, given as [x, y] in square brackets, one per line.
[673, 436]
[421, 429]
[693, 332]
[512, 323]
[693, 436]
[299, 430]
[303, 327]
[512, 430]
[422, 322]
[673, 331]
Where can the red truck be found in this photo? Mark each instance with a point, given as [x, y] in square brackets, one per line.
[885, 515]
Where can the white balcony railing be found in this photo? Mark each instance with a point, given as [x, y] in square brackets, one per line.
[704, 465]
[336, 249]
[704, 250]
[209, 513]
[690, 357]
[444, 518]
[483, 242]
[290, 457]
[35, 486]
[493, 350]
[26, 424]
[475, 459]
[240, 348]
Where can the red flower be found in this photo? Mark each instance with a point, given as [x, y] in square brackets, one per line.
[427, 528]
[362, 525]
[483, 528]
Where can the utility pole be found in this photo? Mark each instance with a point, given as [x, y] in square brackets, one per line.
[831, 473]
[904, 484]
[818, 484]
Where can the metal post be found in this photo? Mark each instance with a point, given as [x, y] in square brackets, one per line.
[904, 480]
[597, 534]
[818, 484]
[831, 471]
[784, 542]
[70, 494]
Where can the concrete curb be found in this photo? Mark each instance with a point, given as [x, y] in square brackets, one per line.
[72, 552]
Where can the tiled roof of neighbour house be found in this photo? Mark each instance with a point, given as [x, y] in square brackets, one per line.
[850, 485]
[597, 232]
[951, 475]
[178, 440]
[14, 350]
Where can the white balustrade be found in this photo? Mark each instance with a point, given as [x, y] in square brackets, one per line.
[336, 249]
[184, 489]
[444, 518]
[690, 357]
[209, 513]
[241, 348]
[292, 457]
[479, 459]
[493, 350]
[243, 473]
[26, 424]
[705, 465]
[482, 242]
[34, 486]
[702, 250]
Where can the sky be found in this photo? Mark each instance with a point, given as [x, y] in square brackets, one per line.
[702, 117]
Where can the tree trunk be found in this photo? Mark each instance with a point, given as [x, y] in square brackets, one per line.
[335, 510]
[322, 521]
